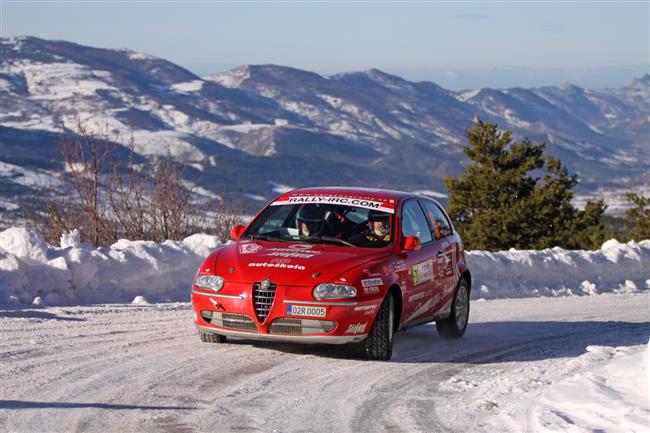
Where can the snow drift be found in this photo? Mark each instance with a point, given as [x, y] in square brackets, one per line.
[33, 272]
[75, 273]
[615, 268]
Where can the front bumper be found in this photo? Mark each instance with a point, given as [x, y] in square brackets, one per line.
[352, 318]
[305, 339]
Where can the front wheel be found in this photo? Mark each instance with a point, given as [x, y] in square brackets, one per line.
[378, 346]
[455, 325]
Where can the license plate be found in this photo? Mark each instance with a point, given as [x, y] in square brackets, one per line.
[303, 310]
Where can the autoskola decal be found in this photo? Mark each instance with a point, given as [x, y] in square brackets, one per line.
[422, 272]
[357, 202]
[372, 282]
[249, 248]
[276, 265]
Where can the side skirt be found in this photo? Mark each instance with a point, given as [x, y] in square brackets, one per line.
[442, 313]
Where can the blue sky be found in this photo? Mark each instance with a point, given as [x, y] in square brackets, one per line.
[412, 38]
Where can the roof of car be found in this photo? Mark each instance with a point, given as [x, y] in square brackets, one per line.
[371, 193]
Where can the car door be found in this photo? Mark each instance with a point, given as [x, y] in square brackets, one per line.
[444, 252]
[419, 287]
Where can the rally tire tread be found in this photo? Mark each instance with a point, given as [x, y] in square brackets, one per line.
[448, 328]
[378, 346]
[209, 337]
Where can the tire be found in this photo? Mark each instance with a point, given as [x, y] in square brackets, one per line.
[209, 337]
[378, 346]
[455, 325]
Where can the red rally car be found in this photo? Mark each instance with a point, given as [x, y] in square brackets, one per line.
[336, 265]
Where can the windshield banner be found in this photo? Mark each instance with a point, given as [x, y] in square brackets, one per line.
[348, 201]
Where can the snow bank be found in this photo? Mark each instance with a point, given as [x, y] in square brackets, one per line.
[615, 268]
[611, 387]
[31, 270]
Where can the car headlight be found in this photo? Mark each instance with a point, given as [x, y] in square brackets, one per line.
[212, 282]
[333, 291]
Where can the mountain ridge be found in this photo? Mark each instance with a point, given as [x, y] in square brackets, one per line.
[256, 126]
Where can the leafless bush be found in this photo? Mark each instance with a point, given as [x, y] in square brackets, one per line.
[81, 202]
[228, 214]
[107, 199]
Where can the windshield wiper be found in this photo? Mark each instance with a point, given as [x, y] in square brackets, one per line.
[266, 238]
[328, 239]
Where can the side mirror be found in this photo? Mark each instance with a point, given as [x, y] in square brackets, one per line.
[411, 243]
[237, 231]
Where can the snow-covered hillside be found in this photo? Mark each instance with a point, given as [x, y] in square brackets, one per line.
[277, 124]
[33, 272]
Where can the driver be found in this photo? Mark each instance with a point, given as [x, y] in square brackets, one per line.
[377, 233]
[311, 220]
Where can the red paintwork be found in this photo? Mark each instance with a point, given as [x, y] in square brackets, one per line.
[334, 264]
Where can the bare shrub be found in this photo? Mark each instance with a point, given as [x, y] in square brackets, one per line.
[81, 204]
[107, 199]
[228, 214]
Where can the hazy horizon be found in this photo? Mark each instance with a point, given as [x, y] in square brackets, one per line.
[499, 77]
[458, 45]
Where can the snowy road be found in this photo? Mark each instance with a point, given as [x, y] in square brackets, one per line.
[143, 368]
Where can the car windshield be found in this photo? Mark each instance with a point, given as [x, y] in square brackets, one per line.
[343, 225]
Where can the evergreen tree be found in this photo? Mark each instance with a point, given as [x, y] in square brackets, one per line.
[639, 216]
[499, 203]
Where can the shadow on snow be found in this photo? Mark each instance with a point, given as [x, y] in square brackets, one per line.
[488, 342]
[20, 404]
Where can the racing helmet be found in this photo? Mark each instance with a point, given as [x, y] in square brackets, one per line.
[379, 216]
[311, 220]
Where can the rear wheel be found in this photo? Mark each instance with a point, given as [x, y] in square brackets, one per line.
[455, 325]
[209, 337]
[378, 345]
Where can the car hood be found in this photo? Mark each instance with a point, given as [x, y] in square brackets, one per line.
[293, 264]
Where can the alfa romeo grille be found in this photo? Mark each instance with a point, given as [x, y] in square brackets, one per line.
[263, 299]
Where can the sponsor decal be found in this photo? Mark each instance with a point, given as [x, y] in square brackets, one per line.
[370, 290]
[301, 246]
[365, 308]
[420, 295]
[249, 248]
[399, 265]
[304, 310]
[356, 328]
[280, 260]
[292, 253]
[372, 282]
[422, 272]
[357, 202]
[276, 265]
